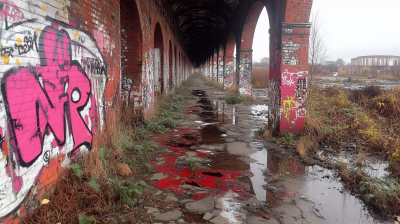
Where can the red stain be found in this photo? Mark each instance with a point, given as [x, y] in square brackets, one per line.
[184, 140]
[177, 189]
[201, 196]
[202, 154]
[291, 194]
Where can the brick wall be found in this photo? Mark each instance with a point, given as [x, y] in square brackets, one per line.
[60, 71]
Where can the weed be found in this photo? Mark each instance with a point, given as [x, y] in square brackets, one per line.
[275, 178]
[305, 145]
[83, 219]
[258, 132]
[145, 148]
[234, 98]
[93, 184]
[76, 169]
[103, 153]
[125, 189]
[126, 142]
[384, 191]
[148, 167]
[361, 159]
[193, 165]
[287, 138]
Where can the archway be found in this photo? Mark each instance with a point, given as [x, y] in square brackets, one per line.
[158, 60]
[229, 62]
[245, 53]
[131, 52]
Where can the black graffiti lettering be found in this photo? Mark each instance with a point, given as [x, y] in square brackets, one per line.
[28, 45]
[7, 52]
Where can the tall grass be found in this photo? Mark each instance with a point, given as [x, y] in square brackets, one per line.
[260, 77]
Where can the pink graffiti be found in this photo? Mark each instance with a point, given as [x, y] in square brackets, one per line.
[10, 11]
[48, 100]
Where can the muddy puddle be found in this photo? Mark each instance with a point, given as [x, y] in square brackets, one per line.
[319, 186]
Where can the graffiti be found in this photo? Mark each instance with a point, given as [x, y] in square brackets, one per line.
[220, 71]
[51, 97]
[294, 85]
[215, 71]
[228, 75]
[288, 78]
[245, 69]
[274, 93]
[148, 79]
[301, 92]
[288, 106]
[126, 87]
[288, 49]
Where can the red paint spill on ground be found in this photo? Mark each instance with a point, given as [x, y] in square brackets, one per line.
[177, 190]
[184, 140]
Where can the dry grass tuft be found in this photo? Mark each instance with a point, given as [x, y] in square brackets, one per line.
[260, 77]
[267, 133]
[362, 158]
[273, 179]
[306, 144]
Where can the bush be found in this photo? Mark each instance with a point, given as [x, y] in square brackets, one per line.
[234, 98]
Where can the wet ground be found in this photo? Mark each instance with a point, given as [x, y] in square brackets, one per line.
[357, 83]
[242, 178]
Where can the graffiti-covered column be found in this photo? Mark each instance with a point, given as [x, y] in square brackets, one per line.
[293, 75]
[228, 79]
[244, 71]
[215, 67]
[220, 72]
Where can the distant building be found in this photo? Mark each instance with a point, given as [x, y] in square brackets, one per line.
[379, 64]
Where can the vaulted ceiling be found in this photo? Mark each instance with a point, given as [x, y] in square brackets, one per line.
[201, 23]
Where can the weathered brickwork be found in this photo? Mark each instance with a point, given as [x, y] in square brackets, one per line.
[63, 62]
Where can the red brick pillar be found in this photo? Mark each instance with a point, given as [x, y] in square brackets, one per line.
[220, 72]
[228, 72]
[288, 77]
[214, 67]
[244, 71]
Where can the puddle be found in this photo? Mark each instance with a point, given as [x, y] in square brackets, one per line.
[193, 217]
[211, 135]
[319, 186]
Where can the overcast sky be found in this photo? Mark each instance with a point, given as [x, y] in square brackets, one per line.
[351, 28]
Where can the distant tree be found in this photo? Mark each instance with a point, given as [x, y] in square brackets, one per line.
[263, 63]
[340, 62]
[317, 48]
[365, 71]
[265, 60]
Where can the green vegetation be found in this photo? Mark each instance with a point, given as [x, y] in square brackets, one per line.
[234, 98]
[193, 165]
[287, 138]
[109, 177]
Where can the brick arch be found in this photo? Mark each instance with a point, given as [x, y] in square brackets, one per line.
[131, 52]
[228, 61]
[159, 43]
[245, 50]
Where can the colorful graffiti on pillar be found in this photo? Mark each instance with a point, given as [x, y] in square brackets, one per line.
[294, 95]
[228, 75]
[220, 71]
[148, 82]
[245, 71]
[52, 97]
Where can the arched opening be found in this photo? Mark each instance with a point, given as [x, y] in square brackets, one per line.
[171, 68]
[131, 52]
[260, 71]
[230, 50]
[245, 54]
[220, 64]
[214, 65]
[158, 60]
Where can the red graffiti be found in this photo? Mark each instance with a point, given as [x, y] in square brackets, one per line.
[10, 11]
[47, 100]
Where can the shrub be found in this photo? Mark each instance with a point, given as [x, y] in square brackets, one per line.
[234, 98]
